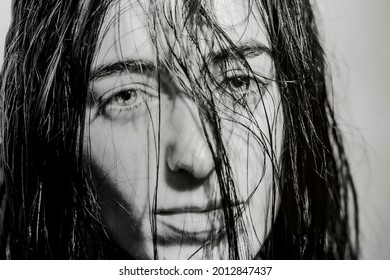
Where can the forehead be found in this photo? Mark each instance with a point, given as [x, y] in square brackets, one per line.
[126, 29]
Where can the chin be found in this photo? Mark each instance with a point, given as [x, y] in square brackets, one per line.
[211, 250]
[192, 252]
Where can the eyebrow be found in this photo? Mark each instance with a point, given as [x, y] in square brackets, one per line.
[248, 49]
[119, 67]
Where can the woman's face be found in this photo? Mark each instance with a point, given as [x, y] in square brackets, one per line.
[146, 145]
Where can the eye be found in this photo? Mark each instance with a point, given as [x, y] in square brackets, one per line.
[240, 83]
[237, 87]
[125, 98]
[127, 102]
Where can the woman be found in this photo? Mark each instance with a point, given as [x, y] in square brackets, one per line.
[176, 129]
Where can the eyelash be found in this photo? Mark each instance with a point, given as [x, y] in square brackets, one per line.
[111, 108]
[230, 88]
[234, 93]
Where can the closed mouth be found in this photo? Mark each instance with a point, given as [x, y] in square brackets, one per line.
[190, 225]
[192, 209]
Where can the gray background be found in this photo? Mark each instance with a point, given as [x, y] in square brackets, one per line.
[357, 41]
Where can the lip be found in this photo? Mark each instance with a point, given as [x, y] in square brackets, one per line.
[186, 209]
[190, 225]
[183, 209]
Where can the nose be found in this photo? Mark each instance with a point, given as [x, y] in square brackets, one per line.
[187, 148]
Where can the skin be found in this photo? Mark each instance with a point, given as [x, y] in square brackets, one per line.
[126, 144]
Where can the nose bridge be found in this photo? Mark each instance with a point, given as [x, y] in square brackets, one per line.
[187, 147]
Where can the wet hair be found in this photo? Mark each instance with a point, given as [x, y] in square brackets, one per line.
[50, 204]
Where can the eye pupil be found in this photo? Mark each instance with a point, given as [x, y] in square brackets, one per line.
[124, 97]
[240, 82]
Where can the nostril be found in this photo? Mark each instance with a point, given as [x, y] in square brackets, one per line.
[176, 164]
[187, 146]
[196, 160]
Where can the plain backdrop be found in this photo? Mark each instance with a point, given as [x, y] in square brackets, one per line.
[357, 42]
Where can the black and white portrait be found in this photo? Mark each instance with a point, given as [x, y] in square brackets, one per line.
[173, 129]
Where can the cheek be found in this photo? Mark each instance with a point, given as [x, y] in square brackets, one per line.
[120, 150]
[120, 158]
[117, 158]
[254, 142]
[251, 164]
[254, 149]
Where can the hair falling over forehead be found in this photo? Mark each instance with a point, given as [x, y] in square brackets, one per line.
[49, 200]
[188, 38]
